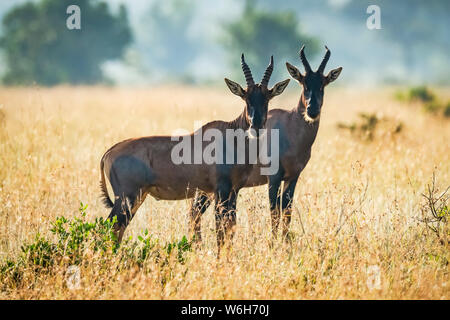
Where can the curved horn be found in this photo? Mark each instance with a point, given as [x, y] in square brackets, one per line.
[247, 72]
[267, 73]
[324, 61]
[304, 61]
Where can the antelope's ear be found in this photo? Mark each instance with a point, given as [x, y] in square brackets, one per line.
[333, 75]
[294, 72]
[279, 88]
[235, 88]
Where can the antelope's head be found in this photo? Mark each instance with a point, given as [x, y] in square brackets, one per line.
[313, 84]
[257, 95]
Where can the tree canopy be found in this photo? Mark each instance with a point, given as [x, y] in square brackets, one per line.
[259, 34]
[39, 48]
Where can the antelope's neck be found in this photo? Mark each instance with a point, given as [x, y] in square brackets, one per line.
[301, 108]
[240, 122]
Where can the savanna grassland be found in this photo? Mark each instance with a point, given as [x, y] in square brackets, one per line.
[357, 227]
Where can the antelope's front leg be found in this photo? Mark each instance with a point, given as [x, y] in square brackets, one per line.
[286, 205]
[225, 216]
[200, 203]
[274, 199]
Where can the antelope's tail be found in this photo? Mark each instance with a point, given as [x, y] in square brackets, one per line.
[105, 197]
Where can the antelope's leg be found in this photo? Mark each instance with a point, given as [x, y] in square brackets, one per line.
[124, 210]
[230, 219]
[225, 216]
[200, 203]
[286, 205]
[274, 199]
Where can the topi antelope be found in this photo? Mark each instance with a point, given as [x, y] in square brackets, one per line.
[297, 132]
[141, 166]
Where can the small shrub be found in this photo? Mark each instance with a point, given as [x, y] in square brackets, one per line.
[432, 107]
[447, 110]
[148, 247]
[435, 211]
[367, 126]
[11, 270]
[421, 93]
[75, 235]
[181, 247]
[400, 95]
[40, 253]
[2, 116]
[430, 103]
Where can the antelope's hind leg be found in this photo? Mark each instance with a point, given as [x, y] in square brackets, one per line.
[124, 209]
[286, 205]
[130, 178]
[200, 203]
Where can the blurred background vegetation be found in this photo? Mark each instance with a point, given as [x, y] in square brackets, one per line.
[199, 41]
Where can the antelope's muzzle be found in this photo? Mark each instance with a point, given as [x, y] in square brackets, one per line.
[313, 112]
[312, 108]
[257, 122]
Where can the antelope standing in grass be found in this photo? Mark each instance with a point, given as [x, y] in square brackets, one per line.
[141, 166]
[297, 132]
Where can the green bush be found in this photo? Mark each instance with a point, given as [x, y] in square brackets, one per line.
[447, 110]
[72, 241]
[180, 247]
[148, 247]
[75, 235]
[400, 95]
[369, 124]
[429, 101]
[421, 93]
[432, 107]
[40, 253]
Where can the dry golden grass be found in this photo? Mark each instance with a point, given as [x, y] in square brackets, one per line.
[357, 202]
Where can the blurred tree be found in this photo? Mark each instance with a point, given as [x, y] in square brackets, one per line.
[168, 44]
[419, 28]
[259, 34]
[40, 48]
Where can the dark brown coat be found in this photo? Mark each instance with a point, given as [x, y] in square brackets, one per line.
[297, 132]
[142, 166]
